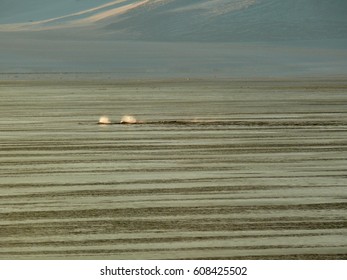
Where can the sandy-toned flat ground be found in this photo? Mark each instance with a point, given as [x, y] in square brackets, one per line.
[253, 169]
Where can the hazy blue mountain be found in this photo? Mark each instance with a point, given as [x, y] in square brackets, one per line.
[186, 20]
[15, 11]
[222, 38]
[237, 20]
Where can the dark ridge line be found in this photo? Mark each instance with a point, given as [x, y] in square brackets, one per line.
[174, 122]
[20, 244]
[150, 191]
[299, 256]
[169, 210]
[235, 123]
[98, 252]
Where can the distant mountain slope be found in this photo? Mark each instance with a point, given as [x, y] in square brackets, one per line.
[182, 20]
[24, 11]
[236, 20]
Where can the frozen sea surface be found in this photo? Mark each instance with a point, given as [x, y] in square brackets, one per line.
[250, 170]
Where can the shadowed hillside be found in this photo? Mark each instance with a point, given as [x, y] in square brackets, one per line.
[183, 20]
[219, 38]
[236, 20]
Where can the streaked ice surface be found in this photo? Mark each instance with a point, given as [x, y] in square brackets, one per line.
[251, 169]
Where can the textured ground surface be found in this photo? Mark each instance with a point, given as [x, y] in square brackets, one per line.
[253, 169]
